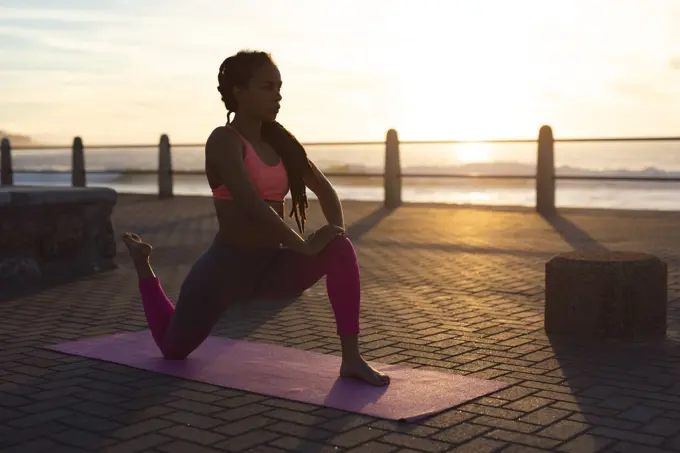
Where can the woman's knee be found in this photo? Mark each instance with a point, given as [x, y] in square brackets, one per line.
[173, 349]
[340, 247]
[190, 326]
[179, 348]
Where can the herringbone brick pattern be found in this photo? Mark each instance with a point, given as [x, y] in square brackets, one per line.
[448, 288]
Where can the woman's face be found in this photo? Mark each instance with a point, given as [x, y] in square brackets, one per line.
[262, 97]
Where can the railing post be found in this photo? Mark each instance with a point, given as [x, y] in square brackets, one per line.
[6, 175]
[78, 163]
[392, 170]
[545, 172]
[164, 168]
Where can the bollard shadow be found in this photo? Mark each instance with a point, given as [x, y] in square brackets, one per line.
[608, 383]
[362, 226]
[605, 383]
[572, 233]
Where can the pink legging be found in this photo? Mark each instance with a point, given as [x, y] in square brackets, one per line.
[222, 275]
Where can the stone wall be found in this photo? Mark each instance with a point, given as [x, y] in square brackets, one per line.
[53, 234]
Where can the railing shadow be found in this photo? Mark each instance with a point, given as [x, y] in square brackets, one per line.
[459, 248]
[362, 226]
[616, 389]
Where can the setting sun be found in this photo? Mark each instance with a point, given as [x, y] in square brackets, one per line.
[474, 152]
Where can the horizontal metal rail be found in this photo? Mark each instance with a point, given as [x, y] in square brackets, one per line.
[374, 143]
[381, 175]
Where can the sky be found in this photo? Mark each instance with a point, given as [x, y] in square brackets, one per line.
[126, 71]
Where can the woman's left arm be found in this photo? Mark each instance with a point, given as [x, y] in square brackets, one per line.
[325, 192]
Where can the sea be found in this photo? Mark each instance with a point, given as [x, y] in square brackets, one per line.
[630, 159]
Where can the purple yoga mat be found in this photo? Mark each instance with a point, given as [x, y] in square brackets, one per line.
[292, 374]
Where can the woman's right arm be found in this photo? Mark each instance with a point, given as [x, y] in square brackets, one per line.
[224, 149]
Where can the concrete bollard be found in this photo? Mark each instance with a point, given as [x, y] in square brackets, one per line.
[392, 170]
[545, 172]
[164, 168]
[6, 175]
[78, 178]
[606, 294]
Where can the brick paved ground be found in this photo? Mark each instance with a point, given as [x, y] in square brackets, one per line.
[449, 288]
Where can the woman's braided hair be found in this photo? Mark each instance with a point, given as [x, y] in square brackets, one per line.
[236, 71]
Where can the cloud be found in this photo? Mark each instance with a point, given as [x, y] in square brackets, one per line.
[64, 42]
[60, 15]
[645, 91]
[87, 63]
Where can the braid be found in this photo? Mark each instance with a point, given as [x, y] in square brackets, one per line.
[227, 79]
[295, 160]
[237, 70]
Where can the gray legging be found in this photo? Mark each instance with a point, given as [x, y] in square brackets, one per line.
[226, 273]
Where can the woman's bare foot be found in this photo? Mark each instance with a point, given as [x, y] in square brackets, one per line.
[139, 251]
[358, 368]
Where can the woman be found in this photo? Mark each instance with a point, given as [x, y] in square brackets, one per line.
[251, 164]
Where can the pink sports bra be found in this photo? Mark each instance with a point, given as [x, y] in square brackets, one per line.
[270, 182]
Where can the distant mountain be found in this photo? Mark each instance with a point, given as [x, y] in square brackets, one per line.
[16, 139]
[505, 168]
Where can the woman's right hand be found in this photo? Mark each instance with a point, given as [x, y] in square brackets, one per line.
[322, 237]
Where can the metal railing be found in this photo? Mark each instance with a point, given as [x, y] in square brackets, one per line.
[545, 175]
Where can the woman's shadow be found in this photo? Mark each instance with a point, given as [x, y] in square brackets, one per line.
[353, 395]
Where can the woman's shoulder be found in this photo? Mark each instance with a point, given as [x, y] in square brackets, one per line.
[223, 137]
[223, 133]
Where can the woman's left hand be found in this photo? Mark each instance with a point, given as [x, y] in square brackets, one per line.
[344, 233]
